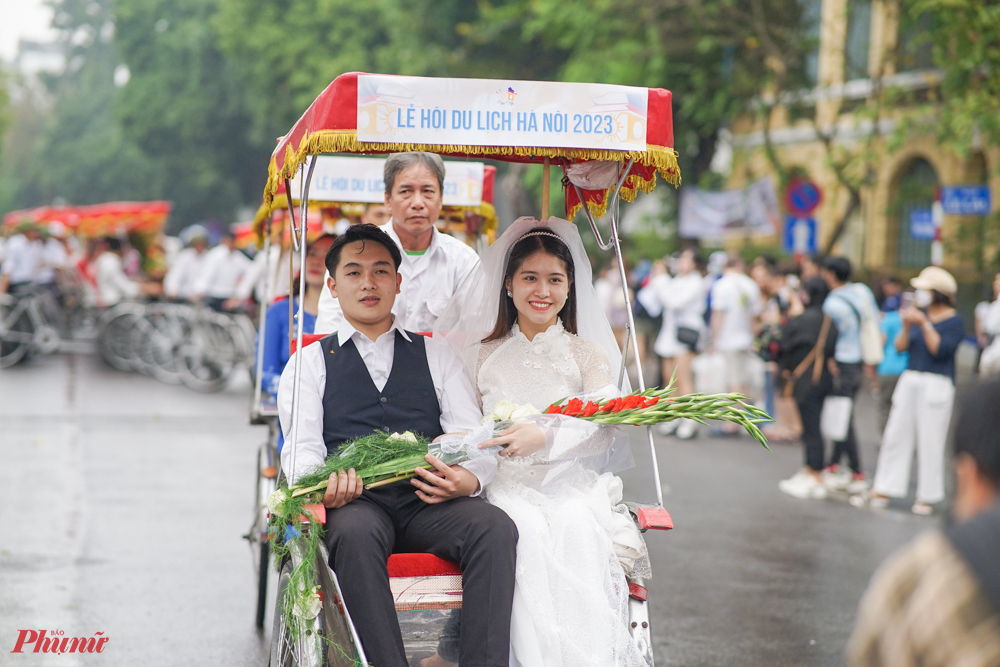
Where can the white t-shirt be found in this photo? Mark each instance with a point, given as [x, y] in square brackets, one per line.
[738, 296]
[429, 282]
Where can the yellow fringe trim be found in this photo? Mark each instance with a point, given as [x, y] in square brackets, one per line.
[280, 203]
[346, 141]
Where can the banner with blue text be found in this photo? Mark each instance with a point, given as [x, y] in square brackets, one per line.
[359, 180]
[488, 112]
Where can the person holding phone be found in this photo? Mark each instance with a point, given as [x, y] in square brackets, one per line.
[922, 401]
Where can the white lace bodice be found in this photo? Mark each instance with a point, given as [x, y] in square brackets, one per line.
[554, 365]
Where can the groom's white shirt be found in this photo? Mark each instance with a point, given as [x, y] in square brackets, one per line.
[459, 406]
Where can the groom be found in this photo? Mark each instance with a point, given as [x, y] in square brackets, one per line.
[369, 375]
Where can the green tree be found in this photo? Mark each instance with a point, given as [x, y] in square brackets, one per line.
[65, 142]
[183, 106]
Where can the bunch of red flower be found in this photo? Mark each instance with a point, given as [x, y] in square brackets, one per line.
[576, 408]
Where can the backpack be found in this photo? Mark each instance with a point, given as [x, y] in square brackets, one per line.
[872, 346]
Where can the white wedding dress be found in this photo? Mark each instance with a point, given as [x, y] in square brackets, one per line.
[571, 594]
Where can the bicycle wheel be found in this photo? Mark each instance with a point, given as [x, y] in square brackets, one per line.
[16, 332]
[156, 336]
[208, 355]
[114, 340]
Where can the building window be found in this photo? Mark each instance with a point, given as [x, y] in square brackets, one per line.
[909, 205]
[915, 51]
[859, 25]
[812, 16]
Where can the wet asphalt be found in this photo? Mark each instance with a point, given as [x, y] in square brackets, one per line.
[123, 502]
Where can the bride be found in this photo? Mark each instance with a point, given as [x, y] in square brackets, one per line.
[530, 331]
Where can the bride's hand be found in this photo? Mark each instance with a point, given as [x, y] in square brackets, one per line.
[518, 440]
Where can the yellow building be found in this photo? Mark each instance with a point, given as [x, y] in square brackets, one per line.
[863, 45]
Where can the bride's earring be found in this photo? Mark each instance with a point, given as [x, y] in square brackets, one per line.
[509, 294]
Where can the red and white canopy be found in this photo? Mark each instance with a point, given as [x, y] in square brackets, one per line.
[100, 219]
[514, 121]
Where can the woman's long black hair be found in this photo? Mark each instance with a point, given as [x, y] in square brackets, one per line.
[523, 248]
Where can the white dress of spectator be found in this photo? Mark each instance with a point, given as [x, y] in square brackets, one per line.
[430, 280]
[24, 259]
[267, 277]
[113, 286]
[54, 258]
[184, 271]
[736, 301]
[222, 269]
[681, 299]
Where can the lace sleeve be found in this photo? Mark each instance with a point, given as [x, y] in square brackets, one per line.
[593, 362]
[485, 350]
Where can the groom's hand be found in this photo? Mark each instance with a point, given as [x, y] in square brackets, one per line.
[342, 488]
[444, 482]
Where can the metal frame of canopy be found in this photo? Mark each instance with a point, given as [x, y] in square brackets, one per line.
[330, 125]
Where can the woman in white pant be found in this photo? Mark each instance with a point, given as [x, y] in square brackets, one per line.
[922, 401]
[681, 299]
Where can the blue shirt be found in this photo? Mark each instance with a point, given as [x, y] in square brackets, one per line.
[893, 362]
[838, 306]
[276, 352]
[952, 331]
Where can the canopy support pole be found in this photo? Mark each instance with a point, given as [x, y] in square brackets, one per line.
[301, 247]
[615, 243]
[259, 378]
[545, 189]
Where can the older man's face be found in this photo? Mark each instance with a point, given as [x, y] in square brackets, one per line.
[415, 200]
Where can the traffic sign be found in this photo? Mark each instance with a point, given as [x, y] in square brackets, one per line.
[922, 224]
[799, 237]
[802, 196]
[966, 199]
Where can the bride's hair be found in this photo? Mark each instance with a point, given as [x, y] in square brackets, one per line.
[539, 239]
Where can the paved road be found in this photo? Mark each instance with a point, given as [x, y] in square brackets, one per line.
[123, 501]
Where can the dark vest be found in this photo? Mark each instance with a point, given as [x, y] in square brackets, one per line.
[353, 405]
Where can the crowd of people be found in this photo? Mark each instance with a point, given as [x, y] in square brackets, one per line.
[803, 339]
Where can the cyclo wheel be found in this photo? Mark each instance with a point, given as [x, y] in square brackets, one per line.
[262, 569]
[208, 355]
[115, 339]
[287, 651]
[15, 343]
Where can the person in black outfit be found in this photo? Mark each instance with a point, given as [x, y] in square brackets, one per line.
[806, 342]
[373, 375]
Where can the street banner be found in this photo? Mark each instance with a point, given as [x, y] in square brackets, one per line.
[750, 211]
[359, 179]
[486, 112]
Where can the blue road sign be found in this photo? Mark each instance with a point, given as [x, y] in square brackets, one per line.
[922, 224]
[799, 235]
[966, 199]
[802, 196]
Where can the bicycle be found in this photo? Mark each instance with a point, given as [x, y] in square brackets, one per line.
[24, 329]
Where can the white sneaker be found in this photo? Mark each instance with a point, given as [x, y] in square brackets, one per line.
[804, 486]
[836, 481]
[857, 486]
[667, 428]
[687, 430]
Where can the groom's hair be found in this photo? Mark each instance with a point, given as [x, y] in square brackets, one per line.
[364, 233]
[539, 239]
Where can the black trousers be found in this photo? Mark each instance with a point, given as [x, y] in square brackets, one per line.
[809, 398]
[847, 383]
[392, 519]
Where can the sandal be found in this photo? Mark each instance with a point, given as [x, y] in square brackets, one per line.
[866, 500]
[922, 509]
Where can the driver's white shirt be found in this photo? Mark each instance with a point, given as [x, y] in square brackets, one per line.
[459, 405]
[429, 281]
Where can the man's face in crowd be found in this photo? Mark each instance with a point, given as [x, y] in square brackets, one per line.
[376, 214]
[415, 199]
[365, 282]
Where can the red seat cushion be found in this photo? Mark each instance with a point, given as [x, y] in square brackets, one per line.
[421, 565]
